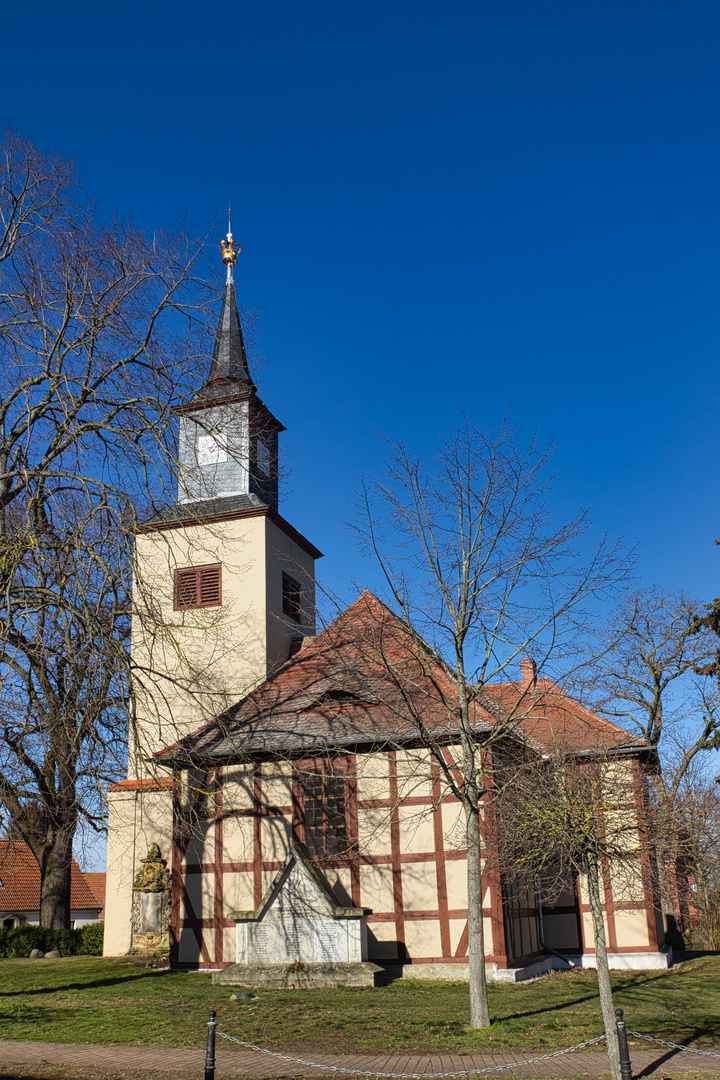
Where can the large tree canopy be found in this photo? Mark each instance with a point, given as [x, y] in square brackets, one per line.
[100, 327]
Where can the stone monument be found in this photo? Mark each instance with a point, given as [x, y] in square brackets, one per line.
[150, 917]
[300, 935]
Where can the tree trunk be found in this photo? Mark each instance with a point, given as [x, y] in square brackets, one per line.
[55, 868]
[479, 1011]
[607, 1004]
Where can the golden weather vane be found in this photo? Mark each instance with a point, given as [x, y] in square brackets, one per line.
[229, 248]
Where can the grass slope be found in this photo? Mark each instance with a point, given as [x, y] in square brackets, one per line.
[92, 1000]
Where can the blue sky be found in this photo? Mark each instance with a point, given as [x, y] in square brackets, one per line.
[441, 206]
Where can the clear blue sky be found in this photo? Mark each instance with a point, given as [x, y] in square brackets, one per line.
[441, 205]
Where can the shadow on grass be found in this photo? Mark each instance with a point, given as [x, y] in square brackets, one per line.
[95, 984]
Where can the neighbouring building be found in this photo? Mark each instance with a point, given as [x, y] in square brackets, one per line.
[254, 733]
[20, 889]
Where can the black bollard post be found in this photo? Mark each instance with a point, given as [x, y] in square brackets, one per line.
[210, 1051]
[625, 1066]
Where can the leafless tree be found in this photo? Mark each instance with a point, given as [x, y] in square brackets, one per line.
[100, 327]
[563, 817]
[652, 678]
[476, 569]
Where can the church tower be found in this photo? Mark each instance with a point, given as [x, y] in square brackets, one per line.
[224, 592]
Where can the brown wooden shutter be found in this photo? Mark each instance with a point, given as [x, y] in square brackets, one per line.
[209, 586]
[198, 586]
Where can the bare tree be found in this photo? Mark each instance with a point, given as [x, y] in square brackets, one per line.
[64, 694]
[563, 817]
[652, 679]
[478, 571]
[100, 327]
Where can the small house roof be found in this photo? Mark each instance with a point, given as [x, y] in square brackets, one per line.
[20, 881]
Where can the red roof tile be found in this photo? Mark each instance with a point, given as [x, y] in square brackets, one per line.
[20, 877]
[369, 679]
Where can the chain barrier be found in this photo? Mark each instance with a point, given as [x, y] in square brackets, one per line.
[675, 1046]
[410, 1076]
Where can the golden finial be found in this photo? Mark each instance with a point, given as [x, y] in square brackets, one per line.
[229, 248]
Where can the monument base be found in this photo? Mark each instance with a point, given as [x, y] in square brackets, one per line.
[301, 976]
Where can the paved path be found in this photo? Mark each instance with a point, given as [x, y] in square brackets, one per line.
[232, 1062]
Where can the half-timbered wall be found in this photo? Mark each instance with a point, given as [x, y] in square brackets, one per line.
[404, 858]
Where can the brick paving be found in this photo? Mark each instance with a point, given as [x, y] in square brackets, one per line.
[230, 1062]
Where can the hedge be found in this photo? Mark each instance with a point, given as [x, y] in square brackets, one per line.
[16, 941]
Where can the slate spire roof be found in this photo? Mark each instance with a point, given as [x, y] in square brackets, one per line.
[229, 360]
[229, 371]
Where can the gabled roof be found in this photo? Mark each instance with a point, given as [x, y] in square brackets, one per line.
[381, 676]
[367, 680]
[20, 877]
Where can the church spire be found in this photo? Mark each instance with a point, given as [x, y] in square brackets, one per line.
[229, 362]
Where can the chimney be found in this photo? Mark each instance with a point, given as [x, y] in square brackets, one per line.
[528, 673]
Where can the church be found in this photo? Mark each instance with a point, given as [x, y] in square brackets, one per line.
[255, 737]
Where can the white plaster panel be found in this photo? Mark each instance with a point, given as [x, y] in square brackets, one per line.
[376, 888]
[631, 928]
[238, 839]
[422, 937]
[417, 830]
[238, 891]
[419, 882]
[374, 835]
[275, 833]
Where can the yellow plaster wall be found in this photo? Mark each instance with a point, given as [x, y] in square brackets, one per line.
[283, 553]
[276, 837]
[238, 839]
[277, 783]
[374, 835]
[372, 775]
[202, 659]
[229, 943]
[414, 773]
[238, 787]
[457, 929]
[456, 882]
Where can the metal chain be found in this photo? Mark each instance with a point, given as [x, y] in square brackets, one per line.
[675, 1046]
[410, 1076]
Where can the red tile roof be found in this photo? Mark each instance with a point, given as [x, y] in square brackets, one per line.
[97, 882]
[151, 783]
[368, 679]
[20, 877]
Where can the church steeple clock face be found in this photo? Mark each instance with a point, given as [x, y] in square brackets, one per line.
[211, 449]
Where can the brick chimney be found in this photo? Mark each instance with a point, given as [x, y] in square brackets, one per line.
[528, 673]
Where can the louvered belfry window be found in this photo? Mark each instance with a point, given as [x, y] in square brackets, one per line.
[291, 597]
[198, 586]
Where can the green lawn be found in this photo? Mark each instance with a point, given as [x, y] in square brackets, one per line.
[92, 1000]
